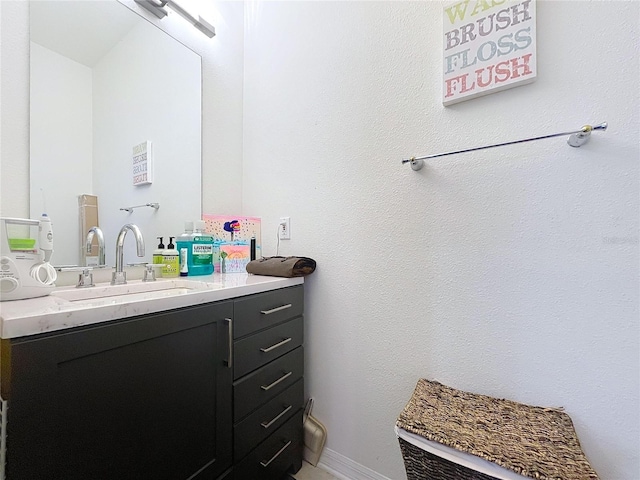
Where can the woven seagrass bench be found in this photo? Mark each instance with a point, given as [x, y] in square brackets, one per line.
[449, 434]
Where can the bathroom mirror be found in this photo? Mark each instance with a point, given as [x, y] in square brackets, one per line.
[105, 81]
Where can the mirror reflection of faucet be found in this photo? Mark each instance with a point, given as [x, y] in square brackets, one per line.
[97, 232]
[119, 276]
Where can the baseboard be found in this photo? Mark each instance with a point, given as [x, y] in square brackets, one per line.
[344, 468]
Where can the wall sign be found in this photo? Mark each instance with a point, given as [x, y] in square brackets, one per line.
[489, 45]
[142, 164]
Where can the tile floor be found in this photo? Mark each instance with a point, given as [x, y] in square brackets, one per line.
[309, 472]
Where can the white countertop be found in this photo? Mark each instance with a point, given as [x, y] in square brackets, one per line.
[20, 318]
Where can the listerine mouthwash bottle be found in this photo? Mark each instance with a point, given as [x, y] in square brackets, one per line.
[201, 251]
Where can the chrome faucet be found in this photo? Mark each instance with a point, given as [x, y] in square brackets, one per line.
[98, 233]
[119, 277]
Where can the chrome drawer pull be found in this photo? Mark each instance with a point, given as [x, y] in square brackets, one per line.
[274, 310]
[267, 425]
[276, 455]
[273, 347]
[229, 362]
[269, 387]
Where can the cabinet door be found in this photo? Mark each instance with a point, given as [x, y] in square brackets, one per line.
[147, 397]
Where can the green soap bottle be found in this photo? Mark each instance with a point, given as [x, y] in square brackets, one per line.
[158, 255]
[171, 261]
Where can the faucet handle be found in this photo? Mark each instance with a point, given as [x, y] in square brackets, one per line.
[149, 273]
[85, 279]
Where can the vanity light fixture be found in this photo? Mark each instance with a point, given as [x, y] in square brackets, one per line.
[157, 7]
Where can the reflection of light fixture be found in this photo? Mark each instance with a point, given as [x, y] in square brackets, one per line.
[157, 7]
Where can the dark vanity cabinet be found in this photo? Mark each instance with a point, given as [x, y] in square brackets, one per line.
[203, 393]
[268, 388]
[145, 397]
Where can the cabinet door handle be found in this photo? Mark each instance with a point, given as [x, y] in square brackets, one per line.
[230, 340]
[269, 387]
[266, 464]
[274, 420]
[273, 347]
[277, 309]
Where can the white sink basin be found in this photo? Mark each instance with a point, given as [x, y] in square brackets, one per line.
[106, 294]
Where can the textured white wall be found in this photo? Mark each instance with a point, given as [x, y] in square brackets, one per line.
[511, 272]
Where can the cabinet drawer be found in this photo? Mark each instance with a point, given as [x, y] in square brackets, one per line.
[259, 349]
[277, 454]
[267, 419]
[265, 309]
[262, 385]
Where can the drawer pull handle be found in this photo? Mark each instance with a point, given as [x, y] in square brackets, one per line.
[229, 362]
[273, 347]
[268, 424]
[266, 464]
[277, 309]
[269, 387]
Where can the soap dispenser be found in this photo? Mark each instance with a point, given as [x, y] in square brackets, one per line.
[158, 254]
[171, 261]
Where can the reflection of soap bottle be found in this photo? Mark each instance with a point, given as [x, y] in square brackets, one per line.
[158, 255]
[171, 261]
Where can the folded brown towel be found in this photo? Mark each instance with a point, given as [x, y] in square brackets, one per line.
[282, 266]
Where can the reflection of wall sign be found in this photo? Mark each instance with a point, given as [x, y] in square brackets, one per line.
[489, 45]
[142, 164]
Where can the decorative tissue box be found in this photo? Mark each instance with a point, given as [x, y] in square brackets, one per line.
[234, 258]
[231, 230]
